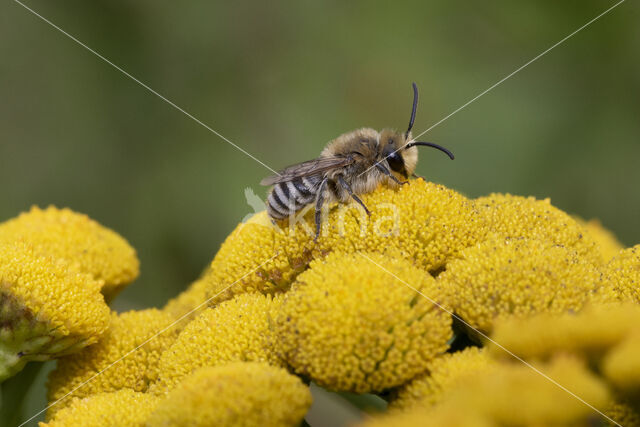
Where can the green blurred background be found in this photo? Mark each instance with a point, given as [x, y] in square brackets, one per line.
[280, 79]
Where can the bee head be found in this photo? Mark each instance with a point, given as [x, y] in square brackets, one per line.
[401, 160]
[400, 150]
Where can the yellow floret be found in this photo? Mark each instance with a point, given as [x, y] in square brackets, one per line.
[591, 332]
[235, 394]
[48, 308]
[351, 323]
[444, 372]
[517, 277]
[621, 365]
[76, 238]
[525, 217]
[128, 354]
[235, 330]
[425, 222]
[122, 408]
[608, 242]
[621, 276]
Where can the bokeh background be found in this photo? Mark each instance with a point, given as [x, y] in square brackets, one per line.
[280, 79]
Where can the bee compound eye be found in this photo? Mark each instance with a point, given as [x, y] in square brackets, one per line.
[395, 162]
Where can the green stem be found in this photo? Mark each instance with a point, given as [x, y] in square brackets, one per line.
[13, 391]
[365, 402]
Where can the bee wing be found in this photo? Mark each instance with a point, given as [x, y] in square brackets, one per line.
[310, 167]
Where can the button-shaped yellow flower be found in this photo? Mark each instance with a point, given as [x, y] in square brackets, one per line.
[519, 277]
[605, 335]
[621, 276]
[128, 355]
[621, 366]
[362, 322]
[525, 217]
[74, 237]
[48, 308]
[512, 394]
[122, 408]
[591, 332]
[424, 222]
[235, 394]
[236, 330]
[444, 372]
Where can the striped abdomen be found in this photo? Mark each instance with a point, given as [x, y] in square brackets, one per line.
[287, 198]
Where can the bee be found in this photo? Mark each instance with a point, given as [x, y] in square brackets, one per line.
[352, 164]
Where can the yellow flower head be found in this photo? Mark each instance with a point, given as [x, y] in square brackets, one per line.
[608, 242]
[517, 395]
[235, 394]
[512, 394]
[444, 372]
[122, 408]
[252, 258]
[518, 277]
[352, 326]
[74, 237]
[129, 353]
[525, 217]
[235, 330]
[591, 332]
[47, 307]
[424, 222]
[621, 366]
[622, 276]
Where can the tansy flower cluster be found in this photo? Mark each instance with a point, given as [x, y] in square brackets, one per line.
[56, 269]
[501, 310]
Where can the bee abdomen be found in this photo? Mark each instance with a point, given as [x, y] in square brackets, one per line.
[287, 198]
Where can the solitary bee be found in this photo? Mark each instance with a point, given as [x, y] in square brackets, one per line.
[354, 163]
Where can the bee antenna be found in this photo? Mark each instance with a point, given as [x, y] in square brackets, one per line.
[430, 144]
[413, 110]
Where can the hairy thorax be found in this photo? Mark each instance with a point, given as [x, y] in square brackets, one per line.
[364, 146]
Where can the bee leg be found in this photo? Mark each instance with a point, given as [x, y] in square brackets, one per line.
[319, 203]
[385, 171]
[347, 187]
[415, 175]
